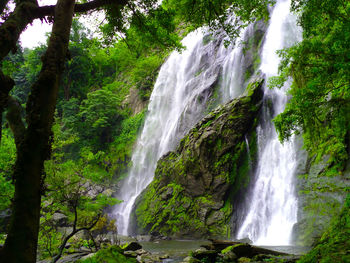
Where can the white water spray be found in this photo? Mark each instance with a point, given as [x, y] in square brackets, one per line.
[273, 204]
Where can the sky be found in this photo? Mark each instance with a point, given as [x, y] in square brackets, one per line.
[35, 34]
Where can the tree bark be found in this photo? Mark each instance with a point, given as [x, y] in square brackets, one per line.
[11, 29]
[21, 243]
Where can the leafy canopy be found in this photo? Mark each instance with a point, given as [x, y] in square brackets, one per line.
[320, 67]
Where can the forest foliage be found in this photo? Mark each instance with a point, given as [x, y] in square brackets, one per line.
[319, 106]
[94, 129]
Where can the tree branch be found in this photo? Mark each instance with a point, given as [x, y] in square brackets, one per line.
[11, 29]
[75, 231]
[28, 10]
[48, 10]
[3, 4]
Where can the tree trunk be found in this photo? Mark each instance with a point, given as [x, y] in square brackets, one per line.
[21, 243]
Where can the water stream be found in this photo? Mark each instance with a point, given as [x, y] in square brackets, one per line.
[272, 210]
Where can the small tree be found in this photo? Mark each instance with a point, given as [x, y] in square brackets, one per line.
[71, 191]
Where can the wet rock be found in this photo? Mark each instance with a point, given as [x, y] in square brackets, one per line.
[167, 194]
[243, 250]
[311, 224]
[141, 252]
[5, 216]
[67, 259]
[164, 256]
[245, 240]
[149, 258]
[156, 236]
[228, 256]
[143, 238]
[85, 249]
[244, 259]
[231, 251]
[209, 255]
[219, 245]
[130, 253]
[216, 216]
[133, 246]
[88, 256]
[60, 220]
[191, 260]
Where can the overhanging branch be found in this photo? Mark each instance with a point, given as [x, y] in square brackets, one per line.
[48, 10]
[28, 10]
[3, 4]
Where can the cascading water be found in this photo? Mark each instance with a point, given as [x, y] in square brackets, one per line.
[272, 208]
[181, 96]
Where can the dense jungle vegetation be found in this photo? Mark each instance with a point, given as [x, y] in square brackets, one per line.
[80, 102]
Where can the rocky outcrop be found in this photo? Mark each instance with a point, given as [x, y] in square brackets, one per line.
[335, 243]
[321, 194]
[231, 252]
[193, 189]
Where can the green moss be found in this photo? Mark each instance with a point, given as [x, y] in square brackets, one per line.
[226, 250]
[334, 246]
[198, 73]
[254, 46]
[113, 254]
[207, 124]
[207, 39]
[171, 215]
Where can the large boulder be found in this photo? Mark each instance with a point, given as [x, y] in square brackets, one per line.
[194, 187]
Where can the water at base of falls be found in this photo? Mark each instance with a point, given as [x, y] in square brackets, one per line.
[272, 202]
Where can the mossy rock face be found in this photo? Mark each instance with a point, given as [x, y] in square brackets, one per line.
[321, 193]
[334, 245]
[193, 188]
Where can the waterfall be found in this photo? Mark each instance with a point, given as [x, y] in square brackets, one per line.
[183, 93]
[191, 83]
[272, 210]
